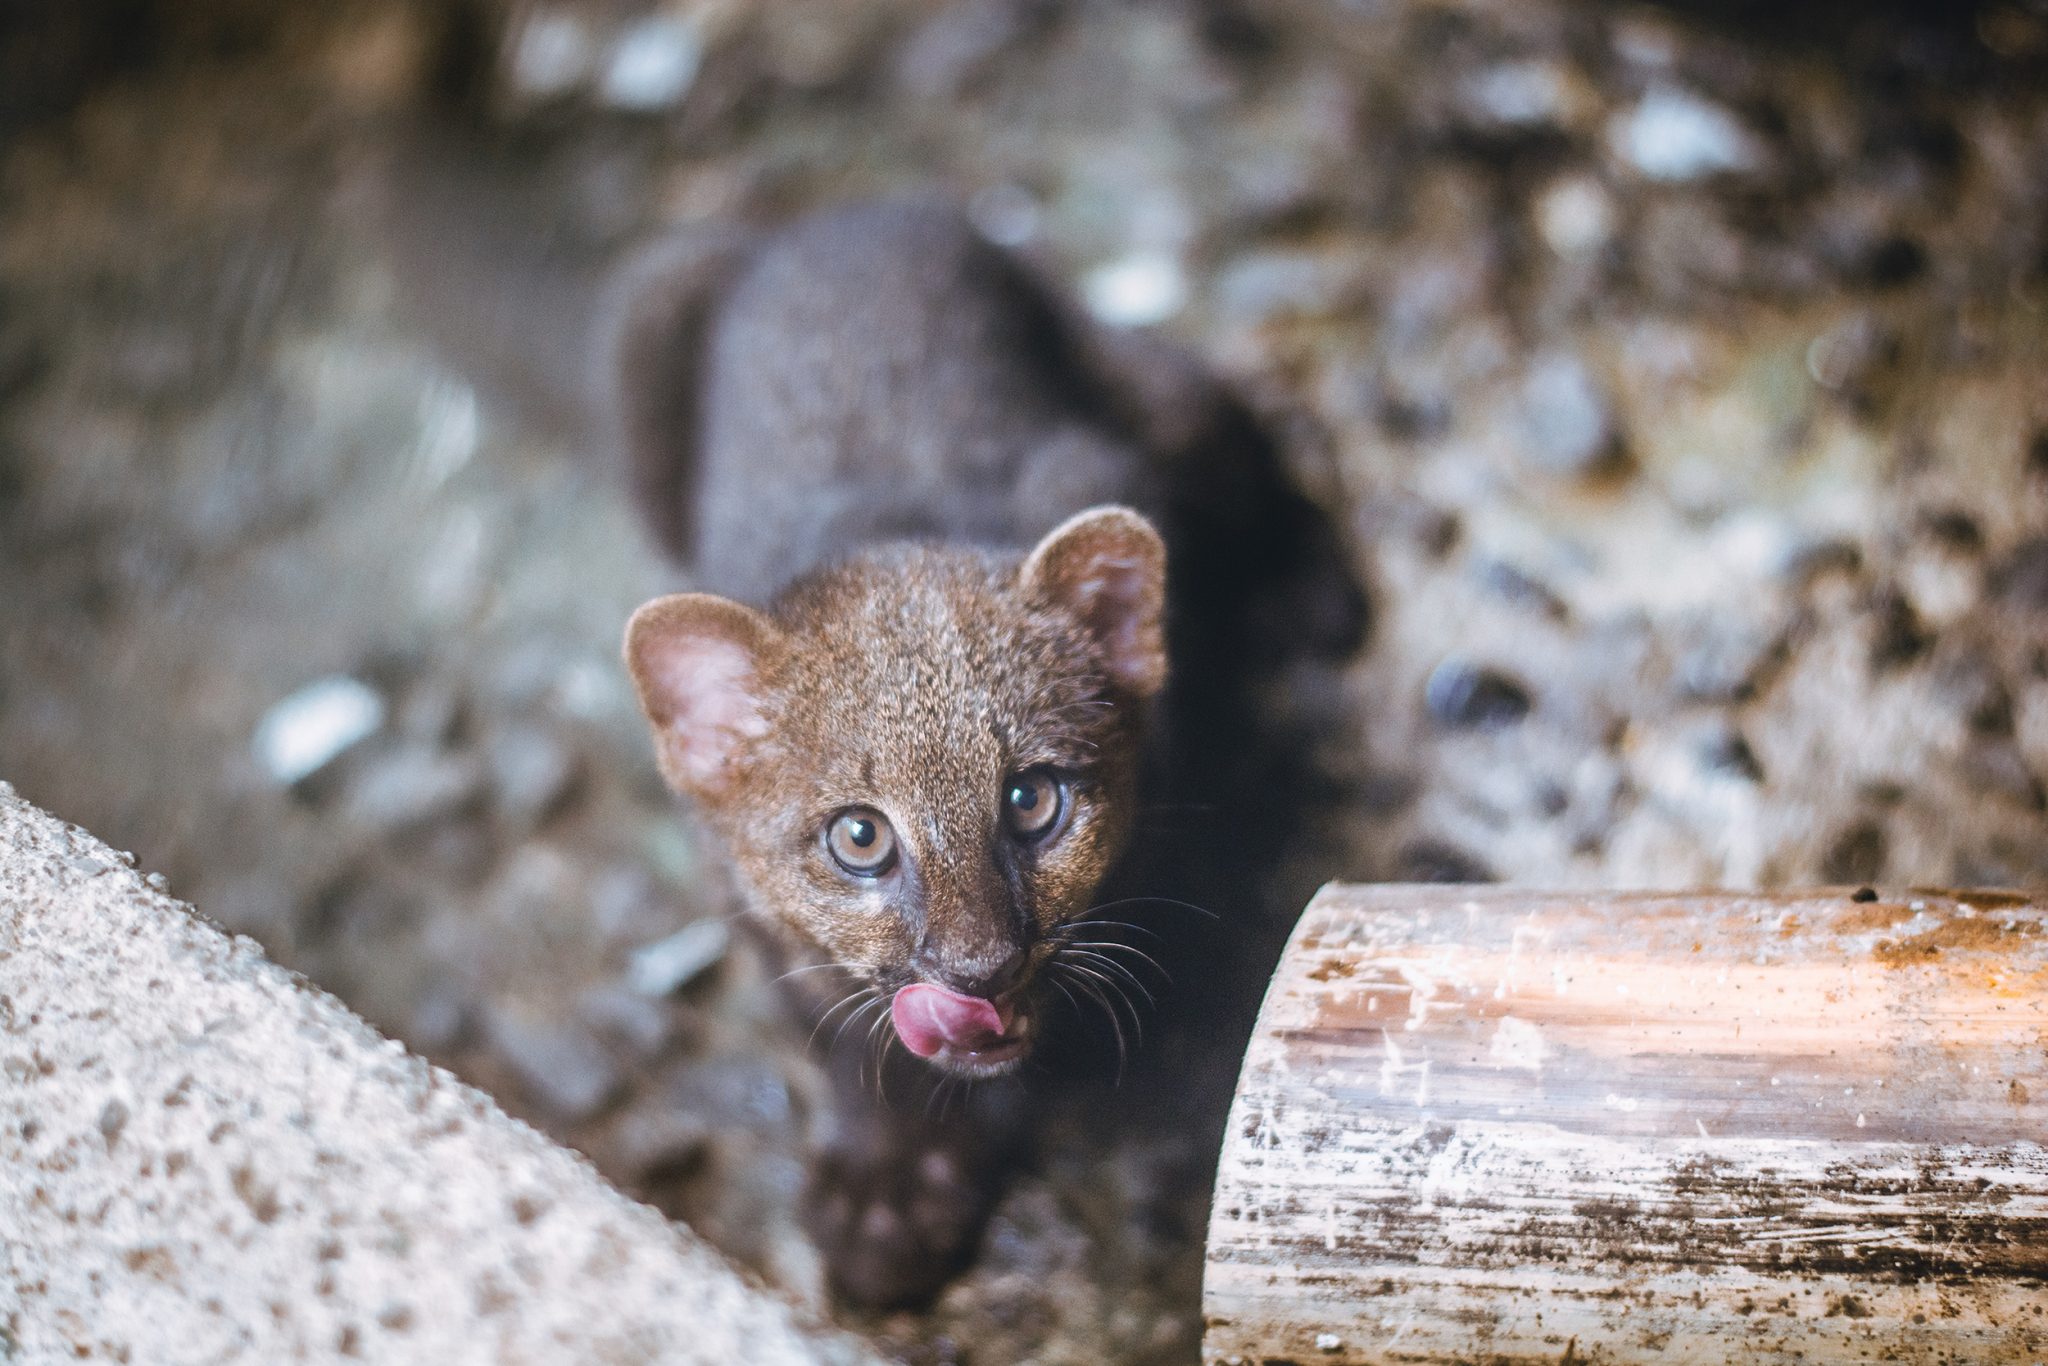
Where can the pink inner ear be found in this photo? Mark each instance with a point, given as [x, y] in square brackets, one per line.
[1115, 611]
[1117, 603]
[707, 684]
[1107, 567]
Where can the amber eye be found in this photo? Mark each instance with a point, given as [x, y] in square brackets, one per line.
[861, 842]
[1032, 803]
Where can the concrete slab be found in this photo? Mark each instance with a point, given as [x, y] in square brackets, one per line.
[205, 1159]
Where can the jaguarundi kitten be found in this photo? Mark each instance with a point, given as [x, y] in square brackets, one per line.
[992, 600]
[956, 541]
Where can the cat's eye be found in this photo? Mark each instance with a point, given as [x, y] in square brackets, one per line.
[1032, 803]
[860, 841]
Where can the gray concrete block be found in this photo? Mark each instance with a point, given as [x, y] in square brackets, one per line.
[205, 1159]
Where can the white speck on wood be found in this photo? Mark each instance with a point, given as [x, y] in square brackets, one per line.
[1517, 1043]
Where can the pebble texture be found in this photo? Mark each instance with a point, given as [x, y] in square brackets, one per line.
[204, 1159]
[1675, 370]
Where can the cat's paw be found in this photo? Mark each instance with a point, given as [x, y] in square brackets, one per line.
[895, 1225]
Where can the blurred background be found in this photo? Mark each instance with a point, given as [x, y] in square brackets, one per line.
[1679, 373]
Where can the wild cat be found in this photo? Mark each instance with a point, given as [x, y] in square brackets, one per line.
[985, 588]
[956, 542]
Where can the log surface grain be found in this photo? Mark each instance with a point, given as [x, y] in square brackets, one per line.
[1481, 1125]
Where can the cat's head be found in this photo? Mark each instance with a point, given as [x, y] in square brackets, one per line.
[923, 760]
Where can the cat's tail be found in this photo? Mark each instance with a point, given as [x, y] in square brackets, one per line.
[653, 331]
[573, 314]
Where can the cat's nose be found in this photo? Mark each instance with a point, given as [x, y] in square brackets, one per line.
[974, 978]
[1006, 977]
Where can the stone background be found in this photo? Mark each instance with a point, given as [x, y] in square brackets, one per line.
[1680, 374]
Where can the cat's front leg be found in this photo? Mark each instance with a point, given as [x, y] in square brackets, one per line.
[900, 1196]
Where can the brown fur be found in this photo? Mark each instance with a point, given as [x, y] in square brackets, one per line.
[891, 453]
[880, 372]
[916, 680]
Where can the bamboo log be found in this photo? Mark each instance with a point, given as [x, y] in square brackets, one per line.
[1483, 1125]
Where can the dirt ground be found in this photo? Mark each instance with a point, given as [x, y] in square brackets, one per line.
[1680, 375]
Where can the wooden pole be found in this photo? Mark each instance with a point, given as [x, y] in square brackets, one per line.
[1483, 1125]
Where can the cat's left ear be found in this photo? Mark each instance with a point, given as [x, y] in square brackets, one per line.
[1106, 567]
[702, 667]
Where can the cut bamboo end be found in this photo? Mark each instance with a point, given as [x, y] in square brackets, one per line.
[1484, 1125]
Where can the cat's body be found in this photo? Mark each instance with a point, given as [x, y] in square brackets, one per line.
[880, 374]
[845, 368]
[938, 509]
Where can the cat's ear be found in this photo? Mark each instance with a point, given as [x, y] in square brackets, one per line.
[1106, 567]
[700, 664]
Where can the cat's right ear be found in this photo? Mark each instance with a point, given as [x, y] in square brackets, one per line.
[700, 664]
[1107, 567]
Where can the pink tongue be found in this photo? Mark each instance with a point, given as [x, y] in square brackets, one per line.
[929, 1018]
